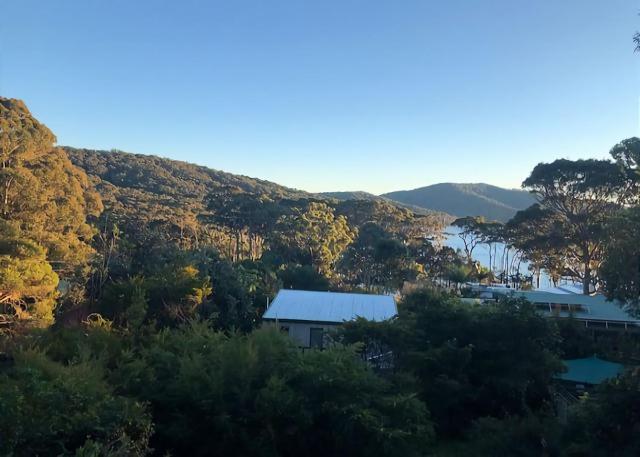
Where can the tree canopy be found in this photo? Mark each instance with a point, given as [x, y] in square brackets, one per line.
[580, 196]
[46, 203]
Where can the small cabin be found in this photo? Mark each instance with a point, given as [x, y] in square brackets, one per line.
[306, 316]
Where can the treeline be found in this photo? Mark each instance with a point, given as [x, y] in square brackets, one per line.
[583, 227]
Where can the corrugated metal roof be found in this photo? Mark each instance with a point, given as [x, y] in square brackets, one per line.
[591, 307]
[591, 370]
[337, 307]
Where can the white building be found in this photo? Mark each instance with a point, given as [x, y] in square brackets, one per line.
[306, 316]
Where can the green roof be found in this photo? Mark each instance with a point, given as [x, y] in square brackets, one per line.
[591, 370]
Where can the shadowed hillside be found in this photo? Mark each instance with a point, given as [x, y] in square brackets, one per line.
[494, 203]
[366, 196]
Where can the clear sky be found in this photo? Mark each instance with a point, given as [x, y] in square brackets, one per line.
[331, 94]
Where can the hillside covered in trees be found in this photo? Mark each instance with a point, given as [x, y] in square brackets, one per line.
[460, 200]
[194, 205]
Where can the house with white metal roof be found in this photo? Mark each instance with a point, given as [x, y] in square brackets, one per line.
[306, 316]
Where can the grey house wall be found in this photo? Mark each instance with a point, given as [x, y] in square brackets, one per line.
[300, 332]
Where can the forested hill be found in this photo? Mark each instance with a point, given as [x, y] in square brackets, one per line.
[191, 205]
[168, 177]
[494, 203]
[350, 195]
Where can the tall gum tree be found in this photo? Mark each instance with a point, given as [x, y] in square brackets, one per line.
[582, 195]
[44, 205]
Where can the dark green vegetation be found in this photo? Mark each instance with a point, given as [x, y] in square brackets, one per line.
[462, 380]
[490, 202]
[359, 195]
[131, 290]
[355, 195]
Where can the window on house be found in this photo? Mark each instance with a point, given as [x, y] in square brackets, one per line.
[284, 329]
[315, 337]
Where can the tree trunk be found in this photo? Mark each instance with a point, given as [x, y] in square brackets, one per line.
[586, 280]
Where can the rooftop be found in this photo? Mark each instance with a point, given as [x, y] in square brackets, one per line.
[331, 307]
[586, 307]
[591, 370]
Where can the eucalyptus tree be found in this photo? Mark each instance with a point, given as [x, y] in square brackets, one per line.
[44, 205]
[580, 196]
[312, 235]
[491, 234]
[620, 269]
[470, 233]
[621, 265]
[376, 259]
[537, 233]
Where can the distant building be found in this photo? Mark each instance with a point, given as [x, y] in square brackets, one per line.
[581, 376]
[595, 311]
[306, 316]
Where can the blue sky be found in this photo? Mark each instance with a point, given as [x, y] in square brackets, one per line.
[331, 94]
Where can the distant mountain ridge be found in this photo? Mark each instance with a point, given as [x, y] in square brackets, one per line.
[350, 195]
[461, 199]
[367, 196]
[170, 186]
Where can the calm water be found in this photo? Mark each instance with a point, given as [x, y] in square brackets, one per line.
[501, 258]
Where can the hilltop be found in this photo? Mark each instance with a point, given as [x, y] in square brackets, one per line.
[458, 199]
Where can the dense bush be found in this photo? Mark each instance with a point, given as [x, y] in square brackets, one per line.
[103, 391]
[213, 394]
[470, 361]
[608, 422]
[49, 408]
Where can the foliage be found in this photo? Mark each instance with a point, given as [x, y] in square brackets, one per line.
[314, 237]
[27, 281]
[538, 233]
[44, 205]
[303, 277]
[375, 258]
[458, 274]
[621, 266]
[526, 436]
[580, 195]
[174, 294]
[608, 422]
[239, 295]
[53, 409]
[470, 232]
[469, 361]
[154, 205]
[257, 395]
